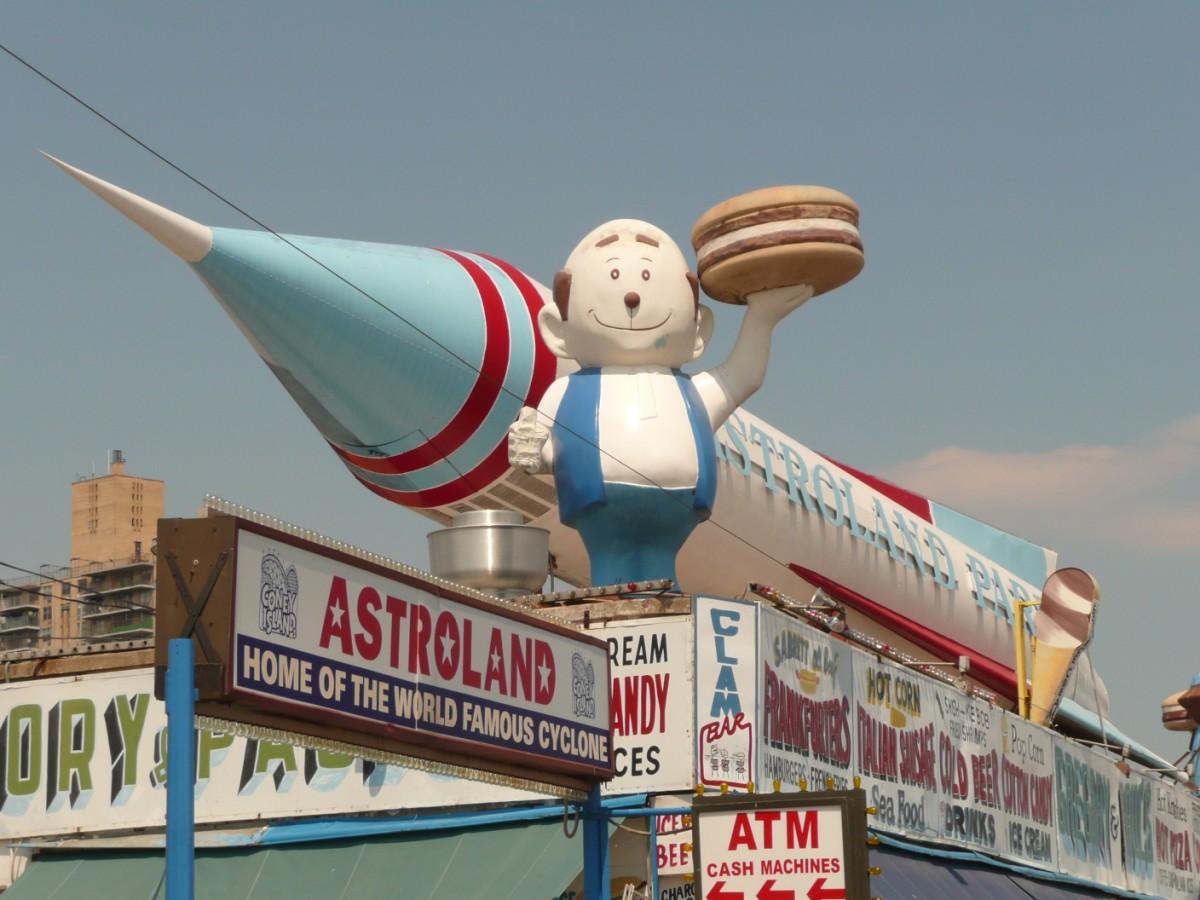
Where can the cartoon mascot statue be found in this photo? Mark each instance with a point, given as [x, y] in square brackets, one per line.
[629, 437]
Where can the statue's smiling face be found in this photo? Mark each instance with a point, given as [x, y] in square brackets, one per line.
[628, 299]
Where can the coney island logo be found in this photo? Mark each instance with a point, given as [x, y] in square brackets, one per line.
[277, 597]
[583, 686]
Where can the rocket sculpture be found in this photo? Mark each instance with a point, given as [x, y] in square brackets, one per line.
[413, 363]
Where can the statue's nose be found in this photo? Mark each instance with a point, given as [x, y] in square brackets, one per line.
[632, 300]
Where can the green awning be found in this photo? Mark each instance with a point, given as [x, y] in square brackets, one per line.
[533, 860]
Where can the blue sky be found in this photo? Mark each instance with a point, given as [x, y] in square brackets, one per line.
[1021, 344]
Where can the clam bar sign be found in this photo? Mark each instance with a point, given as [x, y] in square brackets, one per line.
[806, 846]
[319, 636]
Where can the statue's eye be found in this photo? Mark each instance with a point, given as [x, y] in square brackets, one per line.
[645, 274]
[614, 274]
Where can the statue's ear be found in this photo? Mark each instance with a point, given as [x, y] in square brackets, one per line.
[553, 330]
[704, 330]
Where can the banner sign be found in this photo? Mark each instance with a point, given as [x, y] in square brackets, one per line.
[327, 637]
[967, 733]
[652, 705]
[84, 755]
[804, 710]
[1176, 842]
[1137, 800]
[1089, 814]
[726, 691]
[782, 847]
[896, 746]
[1027, 793]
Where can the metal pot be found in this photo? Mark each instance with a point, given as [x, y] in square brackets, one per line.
[492, 551]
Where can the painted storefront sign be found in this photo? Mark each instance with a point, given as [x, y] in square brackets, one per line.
[1088, 812]
[1176, 842]
[967, 740]
[1027, 793]
[346, 643]
[652, 705]
[88, 755]
[806, 680]
[726, 691]
[896, 746]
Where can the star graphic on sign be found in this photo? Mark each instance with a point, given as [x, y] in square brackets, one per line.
[543, 677]
[447, 643]
[336, 612]
[495, 659]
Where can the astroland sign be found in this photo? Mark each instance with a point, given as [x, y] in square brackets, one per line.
[305, 639]
[805, 846]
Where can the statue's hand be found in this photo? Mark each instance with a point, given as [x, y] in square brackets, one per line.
[526, 438]
[775, 303]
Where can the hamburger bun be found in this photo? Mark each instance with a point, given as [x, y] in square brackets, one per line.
[778, 237]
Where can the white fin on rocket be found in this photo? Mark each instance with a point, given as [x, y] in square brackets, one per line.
[188, 240]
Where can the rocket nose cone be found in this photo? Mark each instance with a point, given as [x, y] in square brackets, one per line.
[188, 240]
[412, 362]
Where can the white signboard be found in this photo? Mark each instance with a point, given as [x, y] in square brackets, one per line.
[804, 710]
[88, 755]
[1176, 843]
[337, 640]
[896, 747]
[652, 704]
[726, 691]
[1087, 801]
[966, 738]
[781, 850]
[1026, 789]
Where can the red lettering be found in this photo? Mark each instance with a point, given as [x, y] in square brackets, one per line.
[743, 833]
[420, 630]
[396, 609]
[768, 819]
[801, 829]
[470, 676]
[661, 683]
[446, 644]
[495, 663]
[522, 666]
[616, 713]
[368, 643]
[337, 617]
[543, 663]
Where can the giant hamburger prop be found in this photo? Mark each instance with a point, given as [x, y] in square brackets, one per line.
[778, 237]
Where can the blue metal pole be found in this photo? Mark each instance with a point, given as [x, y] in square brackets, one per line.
[653, 820]
[596, 881]
[181, 764]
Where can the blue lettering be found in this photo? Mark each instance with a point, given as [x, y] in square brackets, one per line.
[727, 630]
[822, 476]
[883, 531]
[720, 449]
[937, 555]
[910, 540]
[757, 435]
[797, 477]
[1003, 604]
[981, 582]
[735, 435]
[856, 530]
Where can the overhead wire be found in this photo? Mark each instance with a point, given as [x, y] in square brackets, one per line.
[433, 340]
[98, 601]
